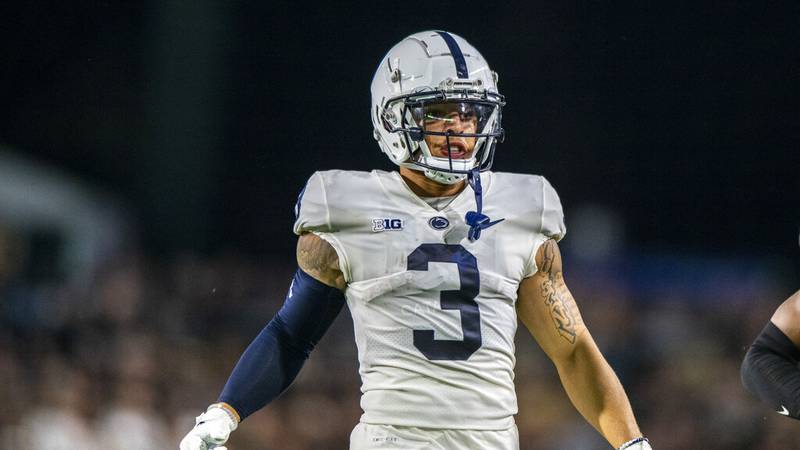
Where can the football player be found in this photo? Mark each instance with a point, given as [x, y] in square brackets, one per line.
[437, 262]
[769, 370]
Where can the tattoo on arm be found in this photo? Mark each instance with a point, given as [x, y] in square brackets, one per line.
[319, 259]
[562, 306]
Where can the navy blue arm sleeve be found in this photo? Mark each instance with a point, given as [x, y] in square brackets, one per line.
[770, 371]
[274, 358]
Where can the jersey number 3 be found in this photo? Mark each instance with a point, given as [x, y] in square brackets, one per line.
[462, 300]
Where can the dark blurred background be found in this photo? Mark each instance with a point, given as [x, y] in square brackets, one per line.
[151, 153]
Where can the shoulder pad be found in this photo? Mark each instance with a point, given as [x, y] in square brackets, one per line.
[311, 210]
[329, 198]
[535, 202]
[552, 222]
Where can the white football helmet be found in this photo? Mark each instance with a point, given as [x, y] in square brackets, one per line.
[426, 71]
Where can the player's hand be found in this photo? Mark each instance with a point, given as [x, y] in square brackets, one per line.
[636, 444]
[210, 431]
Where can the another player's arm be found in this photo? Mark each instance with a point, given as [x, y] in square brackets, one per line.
[274, 358]
[769, 370]
[547, 308]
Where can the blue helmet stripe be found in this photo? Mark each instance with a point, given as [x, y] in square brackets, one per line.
[455, 51]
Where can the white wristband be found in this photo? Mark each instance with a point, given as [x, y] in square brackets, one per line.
[644, 444]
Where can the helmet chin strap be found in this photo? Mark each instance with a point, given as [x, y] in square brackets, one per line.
[443, 177]
[446, 176]
[476, 220]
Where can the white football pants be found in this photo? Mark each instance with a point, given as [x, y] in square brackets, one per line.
[379, 437]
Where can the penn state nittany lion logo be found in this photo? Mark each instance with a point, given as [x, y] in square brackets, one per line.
[438, 222]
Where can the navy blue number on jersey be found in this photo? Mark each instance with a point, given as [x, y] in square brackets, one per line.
[462, 300]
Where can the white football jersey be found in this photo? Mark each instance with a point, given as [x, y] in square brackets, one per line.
[434, 314]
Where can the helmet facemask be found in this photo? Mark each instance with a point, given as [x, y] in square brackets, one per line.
[448, 117]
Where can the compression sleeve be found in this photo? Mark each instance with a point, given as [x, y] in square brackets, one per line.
[770, 371]
[275, 357]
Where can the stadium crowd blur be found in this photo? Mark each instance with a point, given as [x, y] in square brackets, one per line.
[125, 355]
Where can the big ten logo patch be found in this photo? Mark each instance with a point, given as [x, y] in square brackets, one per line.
[387, 225]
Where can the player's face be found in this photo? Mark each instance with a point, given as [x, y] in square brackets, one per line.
[454, 117]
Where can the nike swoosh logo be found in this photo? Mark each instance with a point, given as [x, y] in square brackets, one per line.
[491, 224]
[785, 411]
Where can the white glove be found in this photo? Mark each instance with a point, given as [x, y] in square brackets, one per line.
[636, 444]
[211, 430]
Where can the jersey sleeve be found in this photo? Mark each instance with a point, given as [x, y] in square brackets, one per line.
[311, 211]
[550, 223]
[313, 215]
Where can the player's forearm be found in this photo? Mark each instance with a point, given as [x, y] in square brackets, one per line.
[264, 371]
[597, 394]
[276, 355]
